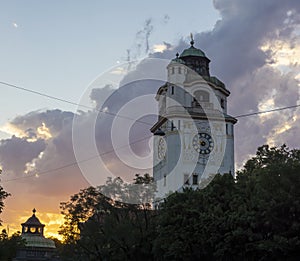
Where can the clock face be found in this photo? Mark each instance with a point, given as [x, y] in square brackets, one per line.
[161, 148]
[203, 143]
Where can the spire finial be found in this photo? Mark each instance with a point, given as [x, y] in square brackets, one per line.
[177, 55]
[33, 211]
[192, 40]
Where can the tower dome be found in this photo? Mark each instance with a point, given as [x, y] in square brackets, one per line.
[196, 60]
[192, 51]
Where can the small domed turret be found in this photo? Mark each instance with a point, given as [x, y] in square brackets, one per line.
[33, 233]
[33, 226]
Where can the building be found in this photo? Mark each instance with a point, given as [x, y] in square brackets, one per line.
[37, 247]
[194, 135]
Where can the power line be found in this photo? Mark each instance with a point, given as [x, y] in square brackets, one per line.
[88, 159]
[126, 117]
[110, 113]
[76, 162]
[72, 103]
[272, 110]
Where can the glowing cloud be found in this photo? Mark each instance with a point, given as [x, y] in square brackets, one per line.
[159, 48]
[44, 132]
[284, 55]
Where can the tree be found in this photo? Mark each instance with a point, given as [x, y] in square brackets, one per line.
[3, 195]
[99, 228]
[269, 185]
[191, 223]
[9, 245]
[256, 217]
[253, 217]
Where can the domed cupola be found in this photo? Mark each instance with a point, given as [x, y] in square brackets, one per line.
[36, 247]
[33, 226]
[196, 59]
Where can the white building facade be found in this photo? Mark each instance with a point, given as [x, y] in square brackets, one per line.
[194, 135]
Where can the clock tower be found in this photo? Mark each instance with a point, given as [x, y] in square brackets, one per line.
[193, 136]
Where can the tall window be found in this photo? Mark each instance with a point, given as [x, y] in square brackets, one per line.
[165, 180]
[195, 179]
[222, 103]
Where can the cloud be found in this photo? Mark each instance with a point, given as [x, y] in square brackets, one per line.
[247, 48]
[16, 152]
[50, 149]
[99, 95]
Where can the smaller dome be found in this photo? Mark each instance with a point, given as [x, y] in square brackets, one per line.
[177, 60]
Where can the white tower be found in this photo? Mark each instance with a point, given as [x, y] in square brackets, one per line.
[194, 137]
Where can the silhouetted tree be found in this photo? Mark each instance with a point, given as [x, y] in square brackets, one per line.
[3, 195]
[9, 245]
[253, 217]
[101, 228]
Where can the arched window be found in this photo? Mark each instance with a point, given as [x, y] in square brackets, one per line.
[32, 230]
[200, 96]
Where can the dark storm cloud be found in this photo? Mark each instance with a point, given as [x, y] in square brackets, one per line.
[99, 95]
[234, 46]
[57, 151]
[55, 120]
[16, 152]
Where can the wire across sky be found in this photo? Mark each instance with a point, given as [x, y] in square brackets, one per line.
[113, 114]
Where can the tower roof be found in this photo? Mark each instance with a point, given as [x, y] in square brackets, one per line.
[33, 220]
[192, 51]
[177, 59]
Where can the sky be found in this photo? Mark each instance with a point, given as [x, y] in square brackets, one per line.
[76, 51]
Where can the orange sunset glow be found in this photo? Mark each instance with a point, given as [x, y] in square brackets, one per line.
[52, 221]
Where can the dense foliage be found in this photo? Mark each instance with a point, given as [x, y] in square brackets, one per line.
[253, 217]
[3, 195]
[97, 227]
[9, 245]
